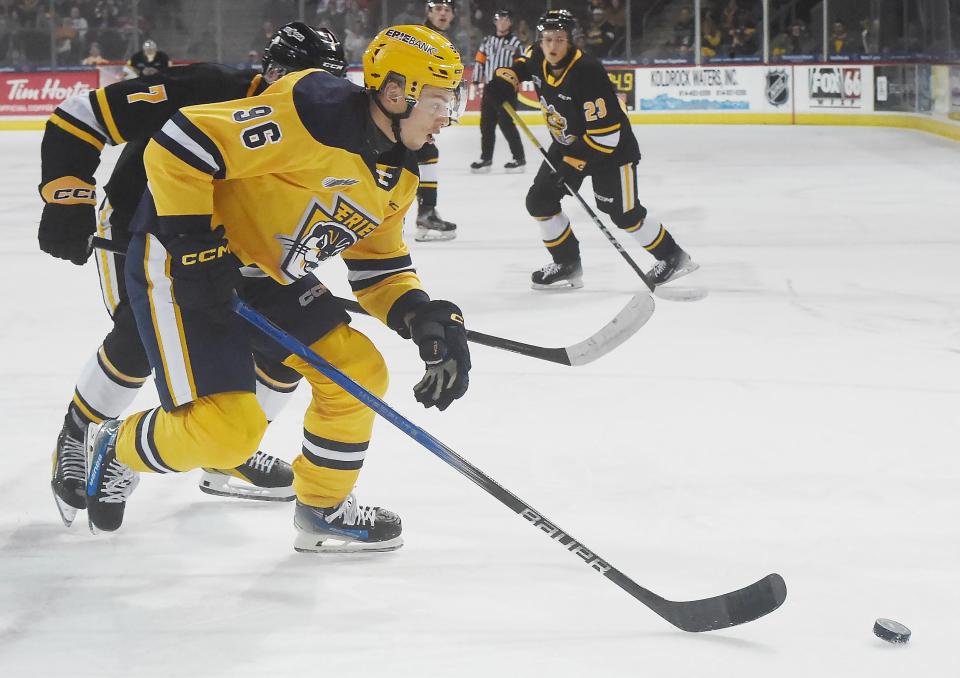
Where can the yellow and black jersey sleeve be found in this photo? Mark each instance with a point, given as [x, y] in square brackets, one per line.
[603, 120]
[228, 140]
[381, 272]
[130, 110]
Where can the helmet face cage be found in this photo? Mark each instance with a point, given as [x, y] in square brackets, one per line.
[557, 20]
[297, 46]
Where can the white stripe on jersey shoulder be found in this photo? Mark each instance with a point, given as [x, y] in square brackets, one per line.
[173, 130]
[80, 108]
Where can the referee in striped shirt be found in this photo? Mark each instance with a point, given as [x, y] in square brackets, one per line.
[497, 51]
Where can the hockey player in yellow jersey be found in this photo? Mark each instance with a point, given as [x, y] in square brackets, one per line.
[311, 168]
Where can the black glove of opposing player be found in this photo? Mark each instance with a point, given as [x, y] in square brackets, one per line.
[203, 271]
[569, 172]
[437, 328]
[499, 90]
[65, 231]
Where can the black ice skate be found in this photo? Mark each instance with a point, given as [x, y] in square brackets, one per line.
[346, 528]
[109, 482]
[431, 227]
[516, 166]
[675, 266]
[262, 477]
[558, 276]
[481, 166]
[69, 479]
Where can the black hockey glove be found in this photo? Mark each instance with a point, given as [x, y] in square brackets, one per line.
[437, 328]
[500, 89]
[569, 171]
[65, 231]
[203, 271]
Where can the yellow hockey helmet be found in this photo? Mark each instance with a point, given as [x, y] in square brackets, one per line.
[417, 54]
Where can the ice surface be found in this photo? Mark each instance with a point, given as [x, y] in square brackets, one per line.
[802, 419]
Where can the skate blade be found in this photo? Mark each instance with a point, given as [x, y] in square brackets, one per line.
[225, 488]
[67, 513]
[482, 170]
[681, 293]
[666, 290]
[559, 286]
[515, 170]
[312, 543]
[434, 236]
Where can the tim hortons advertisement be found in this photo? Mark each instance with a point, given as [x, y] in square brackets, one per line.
[40, 93]
[721, 89]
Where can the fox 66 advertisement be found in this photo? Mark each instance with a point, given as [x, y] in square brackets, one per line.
[834, 89]
[40, 93]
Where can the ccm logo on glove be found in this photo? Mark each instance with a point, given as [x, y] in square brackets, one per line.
[69, 191]
[204, 256]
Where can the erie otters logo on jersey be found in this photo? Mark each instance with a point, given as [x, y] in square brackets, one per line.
[323, 233]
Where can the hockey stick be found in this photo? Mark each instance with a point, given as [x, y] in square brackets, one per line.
[729, 609]
[624, 325]
[576, 194]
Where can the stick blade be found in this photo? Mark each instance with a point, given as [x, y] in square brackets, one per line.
[730, 609]
[624, 325]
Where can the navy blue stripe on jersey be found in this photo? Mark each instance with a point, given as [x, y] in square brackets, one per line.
[334, 445]
[361, 282]
[333, 454]
[499, 52]
[379, 264]
[202, 140]
[144, 443]
[100, 415]
[108, 373]
[182, 153]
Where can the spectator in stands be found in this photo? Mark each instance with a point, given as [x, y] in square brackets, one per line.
[710, 36]
[840, 42]
[600, 34]
[467, 37]
[106, 13]
[870, 35]
[683, 33]
[409, 16]
[523, 33]
[730, 16]
[355, 41]
[66, 41]
[94, 57]
[254, 60]
[28, 13]
[80, 25]
[743, 36]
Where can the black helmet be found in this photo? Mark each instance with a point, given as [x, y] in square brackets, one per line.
[557, 20]
[296, 46]
[434, 3]
[503, 13]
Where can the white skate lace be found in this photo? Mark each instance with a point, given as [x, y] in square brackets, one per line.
[261, 461]
[118, 483]
[353, 513]
[71, 459]
[550, 268]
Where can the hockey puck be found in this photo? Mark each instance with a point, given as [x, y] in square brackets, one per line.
[891, 631]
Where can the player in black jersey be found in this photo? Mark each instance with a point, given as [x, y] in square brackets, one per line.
[148, 61]
[430, 226]
[591, 137]
[130, 112]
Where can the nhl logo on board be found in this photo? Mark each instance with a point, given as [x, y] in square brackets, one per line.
[778, 87]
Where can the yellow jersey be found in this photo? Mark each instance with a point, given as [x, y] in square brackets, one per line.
[296, 175]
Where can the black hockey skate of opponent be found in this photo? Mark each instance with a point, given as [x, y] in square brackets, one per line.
[131, 112]
[430, 226]
[591, 137]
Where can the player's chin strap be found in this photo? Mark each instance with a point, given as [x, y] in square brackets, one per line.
[395, 118]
